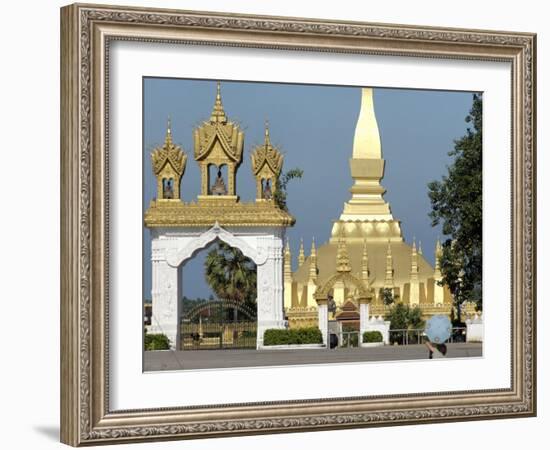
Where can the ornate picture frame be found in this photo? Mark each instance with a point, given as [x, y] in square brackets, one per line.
[87, 31]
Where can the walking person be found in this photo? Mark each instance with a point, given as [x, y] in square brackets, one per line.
[438, 330]
[436, 351]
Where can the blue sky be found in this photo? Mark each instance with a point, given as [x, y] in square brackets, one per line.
[313, 126]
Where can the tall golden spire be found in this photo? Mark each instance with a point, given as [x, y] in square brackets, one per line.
[313, 262]
[414, 262]
[218, 113]
[301, 254]
[366, 142]
[388, 281]
[287, 271]
[367, 170]
[342, 257]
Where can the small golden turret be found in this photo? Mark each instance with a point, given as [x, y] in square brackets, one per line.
[342, 257]
[218, 142]
[267, 163]
[168, 164]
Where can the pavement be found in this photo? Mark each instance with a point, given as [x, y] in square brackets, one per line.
[216, 359]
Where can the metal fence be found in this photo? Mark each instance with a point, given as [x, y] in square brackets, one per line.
[349, 339]
[411, 337]
[206, 336]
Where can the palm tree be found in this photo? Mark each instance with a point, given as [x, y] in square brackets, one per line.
[230, 274]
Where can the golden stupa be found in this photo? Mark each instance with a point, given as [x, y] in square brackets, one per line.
[378, 254]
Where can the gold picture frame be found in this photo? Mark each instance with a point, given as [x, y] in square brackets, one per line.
[86, 33]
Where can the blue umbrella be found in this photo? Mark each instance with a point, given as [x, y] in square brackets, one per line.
[438, 328]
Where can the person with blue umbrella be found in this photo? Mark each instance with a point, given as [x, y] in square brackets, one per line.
[438, 330]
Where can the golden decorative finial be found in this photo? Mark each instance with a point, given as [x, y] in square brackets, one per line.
[301, 254]
[414, 262]
[287, 270]
[168, 138]
[313, 262]
[218, 113]
[419, 247]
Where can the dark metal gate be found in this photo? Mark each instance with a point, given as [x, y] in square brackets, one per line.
[219, 324]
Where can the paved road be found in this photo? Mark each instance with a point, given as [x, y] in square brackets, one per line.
[211, 359]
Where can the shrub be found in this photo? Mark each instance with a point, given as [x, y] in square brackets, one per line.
[156, 342]
[310, 335]
[372, 336]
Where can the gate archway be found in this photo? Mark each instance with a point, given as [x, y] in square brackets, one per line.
[219, 324]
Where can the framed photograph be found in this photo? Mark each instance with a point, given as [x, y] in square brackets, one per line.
[276, 224]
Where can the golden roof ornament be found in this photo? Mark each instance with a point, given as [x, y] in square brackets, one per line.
[218, 142]
[342, 257]
[414, 262]
[313, 262]
[301, 254]
[218, 113]
[287, 261]
[266, 155]
[168, 162]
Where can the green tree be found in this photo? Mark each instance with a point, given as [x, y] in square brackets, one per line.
[281, 186]
[403, 317]
[457, 205]
[387, 296]
[230, 274]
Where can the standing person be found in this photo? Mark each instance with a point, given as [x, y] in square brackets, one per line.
[436, 351]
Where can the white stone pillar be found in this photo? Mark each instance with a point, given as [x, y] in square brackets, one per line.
[363, 318]
[270, 286]
[322, 309]
[165, 297]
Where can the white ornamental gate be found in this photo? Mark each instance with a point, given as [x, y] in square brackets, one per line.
[171, 247]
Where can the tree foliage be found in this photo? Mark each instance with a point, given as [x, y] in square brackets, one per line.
[387, 296]
[230, 274]
[281, 184]
[403, 317]
[457, 205]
